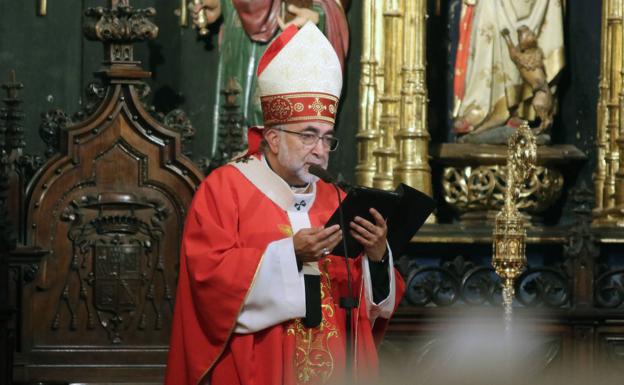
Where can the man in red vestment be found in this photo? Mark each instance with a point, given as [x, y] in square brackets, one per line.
[258, 290]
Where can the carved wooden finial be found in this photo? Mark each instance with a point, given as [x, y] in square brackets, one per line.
[231, 91]
[12, 86]
[120, 26]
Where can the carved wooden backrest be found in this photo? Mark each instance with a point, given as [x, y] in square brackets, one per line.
[109, 209]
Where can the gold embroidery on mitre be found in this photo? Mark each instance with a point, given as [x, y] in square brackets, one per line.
[317, 106]
[280, 108]
[314, 363]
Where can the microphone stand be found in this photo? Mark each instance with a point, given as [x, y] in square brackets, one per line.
[349, 302]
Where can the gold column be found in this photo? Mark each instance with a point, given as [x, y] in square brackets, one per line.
[368, 130]
[412, 138]
[43, 8]
[602, 135]
[386, 154]
[609, 176]
[616, 106]
[183, 13]
[380, 73]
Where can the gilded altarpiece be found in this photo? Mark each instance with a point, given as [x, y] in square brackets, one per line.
[574, 272]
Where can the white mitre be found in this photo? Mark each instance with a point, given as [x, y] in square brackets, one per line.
[299, 77]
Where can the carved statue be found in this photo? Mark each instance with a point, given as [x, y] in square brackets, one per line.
[247, 27]
[529, 59]
[495, 89]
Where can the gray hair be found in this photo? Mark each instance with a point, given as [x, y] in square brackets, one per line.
[264, 144]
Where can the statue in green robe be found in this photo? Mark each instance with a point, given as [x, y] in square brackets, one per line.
[248, 26]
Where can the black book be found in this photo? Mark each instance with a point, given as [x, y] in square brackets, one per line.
[406, 210]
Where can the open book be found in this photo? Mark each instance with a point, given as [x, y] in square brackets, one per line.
[405, 209]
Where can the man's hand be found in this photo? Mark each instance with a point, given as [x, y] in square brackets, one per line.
[302, 15]
[310, 244]
[371, 236]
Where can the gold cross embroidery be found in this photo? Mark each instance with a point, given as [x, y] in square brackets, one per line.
[317, 106]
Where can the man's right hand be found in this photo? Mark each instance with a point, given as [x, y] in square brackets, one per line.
[311, 243]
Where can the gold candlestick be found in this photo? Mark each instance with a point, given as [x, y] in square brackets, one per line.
[43, 8]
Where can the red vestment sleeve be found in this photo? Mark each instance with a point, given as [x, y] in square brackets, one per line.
[381, 324]
[215, 275]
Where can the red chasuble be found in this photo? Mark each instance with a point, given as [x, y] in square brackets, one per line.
[227, 230]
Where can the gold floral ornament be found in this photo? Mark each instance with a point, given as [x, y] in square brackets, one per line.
[313, 361]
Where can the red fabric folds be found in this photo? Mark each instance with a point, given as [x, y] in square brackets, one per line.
[228, 227]
[463, 52]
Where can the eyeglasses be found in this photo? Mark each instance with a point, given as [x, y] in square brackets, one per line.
[310, 140]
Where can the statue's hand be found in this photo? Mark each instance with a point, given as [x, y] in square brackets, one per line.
[205, 12]
[302, 16]
[505, 32]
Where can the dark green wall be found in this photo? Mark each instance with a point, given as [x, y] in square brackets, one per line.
[56, 63]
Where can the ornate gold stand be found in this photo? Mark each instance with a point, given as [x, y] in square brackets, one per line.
[474, 179]
[509, 235]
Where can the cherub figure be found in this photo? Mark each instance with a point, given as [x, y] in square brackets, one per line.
[529, 59]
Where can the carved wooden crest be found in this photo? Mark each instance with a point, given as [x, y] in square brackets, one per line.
[108, 207]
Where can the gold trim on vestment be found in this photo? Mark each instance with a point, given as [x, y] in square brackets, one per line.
[313, 361]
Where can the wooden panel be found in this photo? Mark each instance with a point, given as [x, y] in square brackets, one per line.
[110, 209]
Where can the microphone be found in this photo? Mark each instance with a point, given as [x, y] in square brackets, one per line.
[321, 173]
[349, 302]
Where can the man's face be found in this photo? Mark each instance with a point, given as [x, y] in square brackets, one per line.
[294, 156]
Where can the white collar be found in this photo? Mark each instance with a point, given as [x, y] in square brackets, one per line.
[258, 172]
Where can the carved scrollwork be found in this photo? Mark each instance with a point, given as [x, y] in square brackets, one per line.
[581, 242]
[176, 119]
[179, 121]
[543, 286]
[122, 24]
[94, 95]
[480, 286]
[143, 91]
[116, 265]
[461, 281]
[609, 288]
[432, 285]
[29, 272]
[437, 285]
[483, 188]
[51, 125]
[27, 165]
